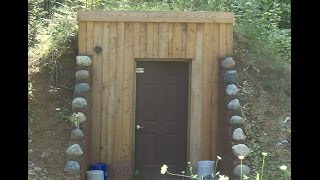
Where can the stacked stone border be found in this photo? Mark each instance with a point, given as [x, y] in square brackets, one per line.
[77, 152]
[232, 124]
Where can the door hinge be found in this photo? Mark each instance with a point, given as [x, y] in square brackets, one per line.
[140, 70]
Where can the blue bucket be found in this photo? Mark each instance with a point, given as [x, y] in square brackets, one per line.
[100, 166]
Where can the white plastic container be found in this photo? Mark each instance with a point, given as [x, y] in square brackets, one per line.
[205, 168]
[95, 175]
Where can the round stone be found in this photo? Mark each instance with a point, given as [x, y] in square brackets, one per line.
[232, 90]
[77, 134]
[82, 75]
[236, 120]
[81, 88]
[82, 117]
[79, 102]
[245, 170]
[74, 150]
[238, 135]
[230, 76]
[228, 63]
[234, 104]
[240, 150]
[83, 61]
[73, 166]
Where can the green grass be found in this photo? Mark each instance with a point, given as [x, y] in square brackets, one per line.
[264, 114]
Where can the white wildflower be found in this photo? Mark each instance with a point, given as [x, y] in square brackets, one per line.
[164, 169]
[241, 157]
[223, 177]
[283, 167]
[245, 177]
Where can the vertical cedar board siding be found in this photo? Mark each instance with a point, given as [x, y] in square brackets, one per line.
[113, 78]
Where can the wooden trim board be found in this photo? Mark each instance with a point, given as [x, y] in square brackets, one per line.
[156, 16]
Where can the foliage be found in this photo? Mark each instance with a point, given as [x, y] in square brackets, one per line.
[63, 114]
[283, 176]
[261, 60]
[286, 173]
[30, 92]
[52, 32]
[164, 170]
[263, 43]
[265, 115]
[36, 113]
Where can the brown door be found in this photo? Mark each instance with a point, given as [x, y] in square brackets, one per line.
[162, 114]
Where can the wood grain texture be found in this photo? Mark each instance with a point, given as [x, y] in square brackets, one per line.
[184, 40]
[137, 40]
[119, 91]
[206, 91]
[223, 41]
[82, 38]
[191, 40]
[156, 16]
[177, 40]
[170, 35]
[96, 90]
[215, 90]
[112, 144]
[196, 98]
[155, 52]
[90, 38]
[105, 92]
[143, 34]
[163, 40]
[128, 86]
[149, 40]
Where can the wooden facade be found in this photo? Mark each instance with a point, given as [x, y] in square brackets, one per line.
[198, 37]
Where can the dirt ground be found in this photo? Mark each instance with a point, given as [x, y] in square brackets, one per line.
[48, 126]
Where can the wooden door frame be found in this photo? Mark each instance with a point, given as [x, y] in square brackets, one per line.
[189, 60]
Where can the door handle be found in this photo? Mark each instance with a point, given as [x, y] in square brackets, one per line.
[139, 127]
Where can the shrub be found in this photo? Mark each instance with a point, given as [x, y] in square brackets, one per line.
[54, 39]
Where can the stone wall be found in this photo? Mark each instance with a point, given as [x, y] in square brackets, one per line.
[78, 149]
[232, 114]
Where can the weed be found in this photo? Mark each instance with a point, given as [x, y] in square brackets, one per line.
[63, 114]
[30, 92]
[286, 175]
[164, 170]
[36, 113]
